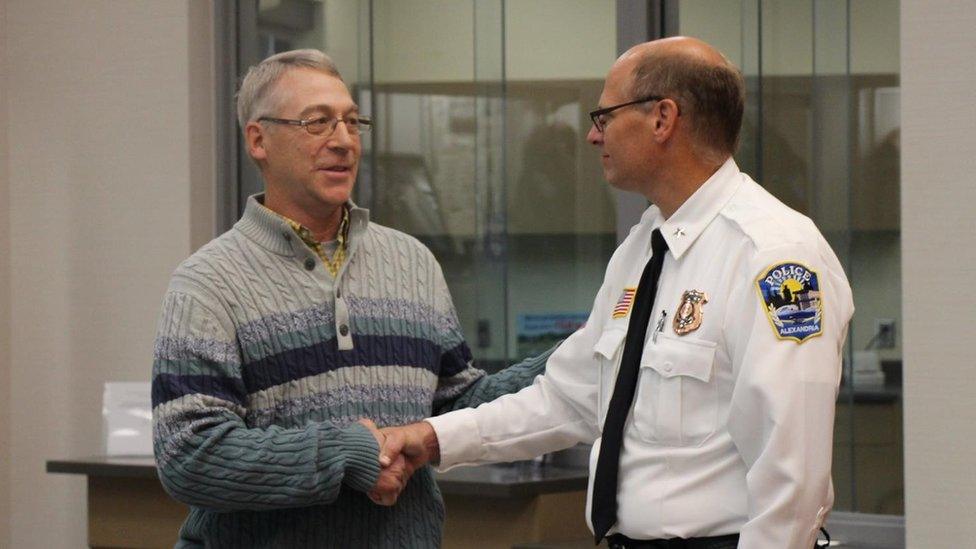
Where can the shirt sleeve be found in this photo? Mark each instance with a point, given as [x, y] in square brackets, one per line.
[206, 454]
[556, 411]
[781, 417]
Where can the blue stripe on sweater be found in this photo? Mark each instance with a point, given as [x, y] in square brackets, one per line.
[167, 387]
[316, 359]
[380, 350]
[455, 360]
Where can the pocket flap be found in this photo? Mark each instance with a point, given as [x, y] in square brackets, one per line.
[609, 342]
[672, 357]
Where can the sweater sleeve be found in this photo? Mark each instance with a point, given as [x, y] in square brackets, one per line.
[206, 454]
[460, 384]
[510, 380]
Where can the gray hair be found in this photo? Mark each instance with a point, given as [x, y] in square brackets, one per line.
[711, 95]
[257, 96]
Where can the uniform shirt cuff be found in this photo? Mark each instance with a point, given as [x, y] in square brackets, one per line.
[458, 437]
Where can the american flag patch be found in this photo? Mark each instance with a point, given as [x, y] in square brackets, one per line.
[622, 308]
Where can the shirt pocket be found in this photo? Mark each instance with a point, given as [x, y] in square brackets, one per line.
[607, 351]
[677, 395]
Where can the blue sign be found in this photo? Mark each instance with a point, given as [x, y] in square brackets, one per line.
[538, 332]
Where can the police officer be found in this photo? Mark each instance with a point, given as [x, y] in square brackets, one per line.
[707, 373]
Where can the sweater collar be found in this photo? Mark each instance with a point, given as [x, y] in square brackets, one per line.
[272, 232]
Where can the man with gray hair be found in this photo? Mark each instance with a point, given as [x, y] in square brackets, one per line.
[281, 342]
[707, 372]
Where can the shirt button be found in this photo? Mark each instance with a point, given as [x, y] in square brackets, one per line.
[344, 330]
[667, 367]
[309, 263]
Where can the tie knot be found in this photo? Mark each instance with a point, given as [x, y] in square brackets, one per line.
[658, 244]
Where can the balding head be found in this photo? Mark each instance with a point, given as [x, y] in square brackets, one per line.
[707, 87]
[686, 46]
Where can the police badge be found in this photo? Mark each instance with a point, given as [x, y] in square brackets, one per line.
[689, 316]
[791, 295]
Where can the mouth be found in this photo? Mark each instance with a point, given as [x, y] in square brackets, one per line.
[338, 174]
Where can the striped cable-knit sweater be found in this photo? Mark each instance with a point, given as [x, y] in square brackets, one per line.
[264, 362]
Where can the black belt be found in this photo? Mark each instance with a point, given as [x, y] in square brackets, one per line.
[620, 541]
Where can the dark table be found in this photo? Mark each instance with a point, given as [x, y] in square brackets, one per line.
[488, 506]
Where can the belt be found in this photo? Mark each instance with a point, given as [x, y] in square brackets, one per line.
[619, 541]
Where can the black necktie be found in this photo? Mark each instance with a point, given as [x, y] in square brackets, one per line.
[603, 511]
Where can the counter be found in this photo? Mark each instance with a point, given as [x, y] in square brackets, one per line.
[489, 506]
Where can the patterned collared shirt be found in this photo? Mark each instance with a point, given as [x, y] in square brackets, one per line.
[334, 263]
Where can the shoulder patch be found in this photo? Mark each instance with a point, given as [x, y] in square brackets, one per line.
[790, 293]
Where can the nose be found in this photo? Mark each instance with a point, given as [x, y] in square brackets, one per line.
[341, 138]
[594, 137]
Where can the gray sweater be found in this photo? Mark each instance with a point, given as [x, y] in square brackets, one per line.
[263, 363]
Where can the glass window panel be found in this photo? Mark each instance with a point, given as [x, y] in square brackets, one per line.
[561, 213]
[875, 266]
[821, 132]
[490, 125]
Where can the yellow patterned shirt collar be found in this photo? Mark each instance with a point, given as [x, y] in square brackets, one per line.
[334, 263]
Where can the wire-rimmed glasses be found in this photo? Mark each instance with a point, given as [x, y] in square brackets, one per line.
[325, 125]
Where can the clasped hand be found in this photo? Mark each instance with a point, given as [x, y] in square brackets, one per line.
[403, 450]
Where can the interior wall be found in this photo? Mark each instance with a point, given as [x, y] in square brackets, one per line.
[201, 130]
[4, 297]
[938, 261]
[106, 161]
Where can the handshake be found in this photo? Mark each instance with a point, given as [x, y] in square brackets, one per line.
[403, 450]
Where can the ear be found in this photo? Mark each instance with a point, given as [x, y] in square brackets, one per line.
[254, 134]
[665, 119]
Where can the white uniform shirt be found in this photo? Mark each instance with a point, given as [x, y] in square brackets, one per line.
[732, 424]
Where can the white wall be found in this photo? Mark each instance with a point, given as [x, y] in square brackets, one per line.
[4, 297]
[938, 74]
[105, 150]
